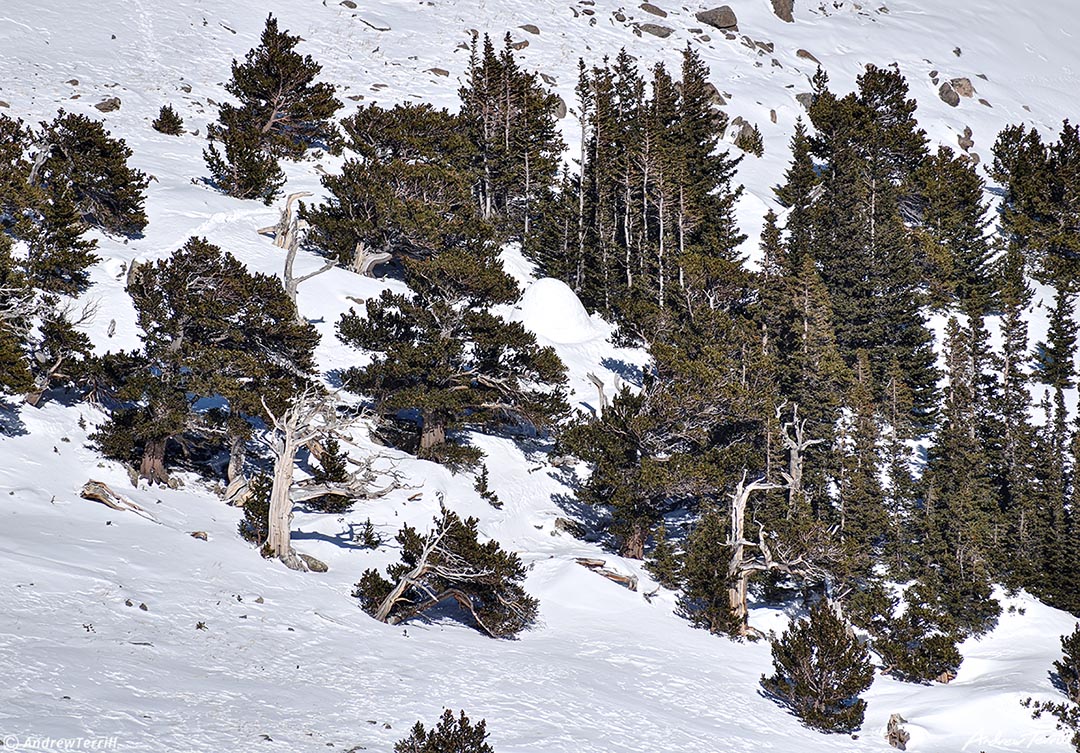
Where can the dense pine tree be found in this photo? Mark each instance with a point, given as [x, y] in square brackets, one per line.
[210, 329]
[821, 668]
[443, 361]
[281, 112]
[79, 158]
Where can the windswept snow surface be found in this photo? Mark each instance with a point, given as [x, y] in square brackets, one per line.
[287, 661]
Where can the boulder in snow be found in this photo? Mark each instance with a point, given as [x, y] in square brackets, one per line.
[722, 18]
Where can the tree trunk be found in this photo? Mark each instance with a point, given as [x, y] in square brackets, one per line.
[237, 456]
[633, 546]
[152, 465]
[432, 434]
[279, 540]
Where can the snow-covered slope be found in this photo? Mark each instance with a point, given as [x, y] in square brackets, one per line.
[287, 661]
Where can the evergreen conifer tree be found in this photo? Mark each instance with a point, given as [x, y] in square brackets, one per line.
[821, 668]
[449, 736]
[168, 122]
[82, 160]
[441, 354]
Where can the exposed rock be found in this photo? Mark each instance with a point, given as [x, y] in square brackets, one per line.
[806, 55]
[963, 87]
[948, 95]
[349, 4]
[958, 52]
[72, 82]
[4, 104]
[982, 76]
[201, 535]
[657, 30]
[549, 80]
[767, 46]
[185, 88]
[772, 115]
[520, 45]
[314, 565]
[965, 140]
[111, 104]
[621, 18]
[740, 129]
[532, 29]
[714, 95]
[655, 10]
[572, 527]
[560, 108]
[783, 9]
[722, 18]
[439, 71]
[806, 99]
[897, 736]
[984, 103]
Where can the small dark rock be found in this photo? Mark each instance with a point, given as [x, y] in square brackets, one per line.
[655, 10]
[531, 28]
[806, 55]
[109, 105]
[657, 30]
[948, 95]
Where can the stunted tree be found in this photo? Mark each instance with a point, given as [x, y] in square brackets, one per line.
[407, 194]
[279, 97]
[451, 563]
[820, 669]
[78, 158]
[281, 112]
[210, 329]
[449, 736]
[441, 355]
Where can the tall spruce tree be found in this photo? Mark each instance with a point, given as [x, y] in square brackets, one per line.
[952, 240]
[509, 118]
[871, 148]
[961, 508]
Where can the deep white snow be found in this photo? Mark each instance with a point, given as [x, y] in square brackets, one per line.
[287, 661]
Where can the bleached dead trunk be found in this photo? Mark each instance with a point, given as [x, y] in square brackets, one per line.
[286, 235]
[279, 540]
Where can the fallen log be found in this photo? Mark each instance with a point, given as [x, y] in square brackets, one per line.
[97, 491]
[599, 566]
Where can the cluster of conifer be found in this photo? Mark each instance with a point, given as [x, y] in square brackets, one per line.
[767, 451]
[60, 180]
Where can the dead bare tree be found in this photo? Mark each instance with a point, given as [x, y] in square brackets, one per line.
[310, 414]
[365, 260]
[286, 234]
[749, 556]
[793, 435]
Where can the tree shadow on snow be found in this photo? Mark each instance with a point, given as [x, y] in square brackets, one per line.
[11, 423]
[628, 372]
